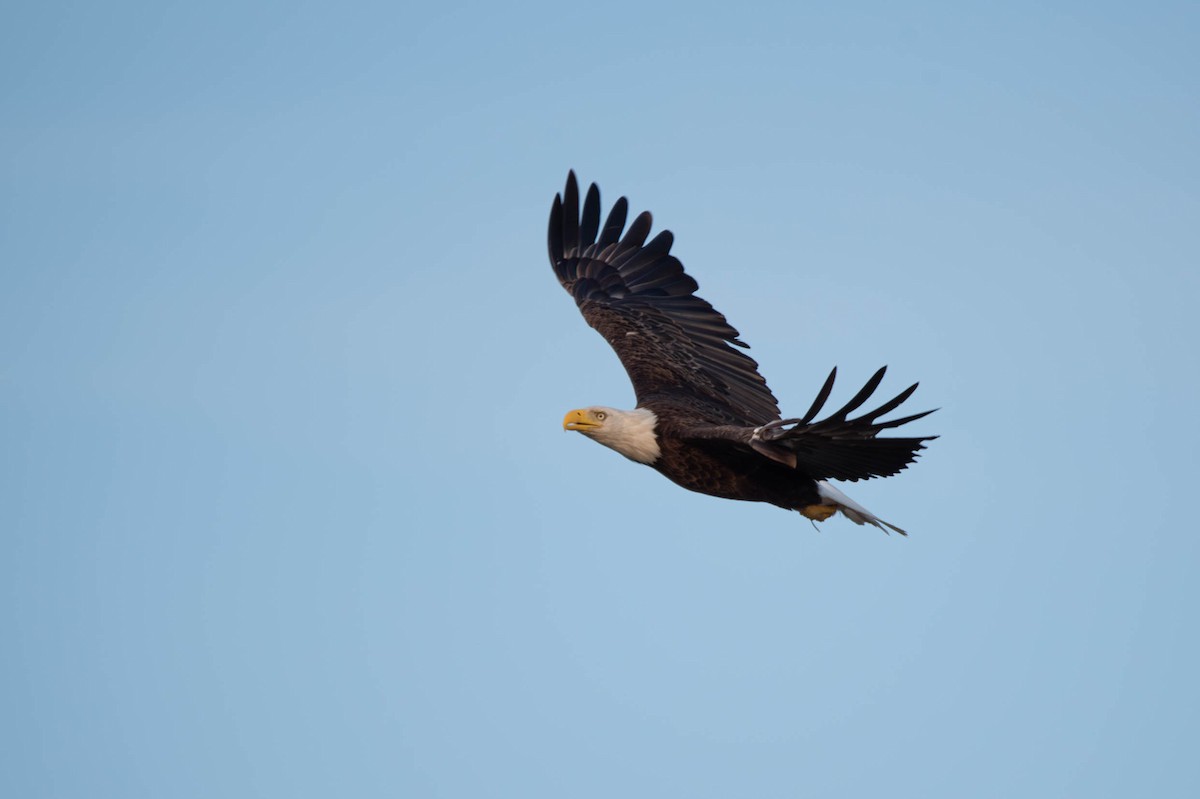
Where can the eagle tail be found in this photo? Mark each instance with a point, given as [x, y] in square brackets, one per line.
[851, 509]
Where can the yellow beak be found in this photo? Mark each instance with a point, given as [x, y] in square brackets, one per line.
[578, 420]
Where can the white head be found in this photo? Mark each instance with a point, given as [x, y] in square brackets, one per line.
[630, 433]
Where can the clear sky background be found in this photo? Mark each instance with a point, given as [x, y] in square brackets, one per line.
[285, 504]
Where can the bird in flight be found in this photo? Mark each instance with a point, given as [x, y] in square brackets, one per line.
[705, 418]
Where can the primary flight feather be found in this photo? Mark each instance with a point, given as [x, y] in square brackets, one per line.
[705, 418]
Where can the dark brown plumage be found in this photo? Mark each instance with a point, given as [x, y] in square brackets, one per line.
[717, 425]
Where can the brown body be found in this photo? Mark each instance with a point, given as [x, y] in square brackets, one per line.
[732, 471]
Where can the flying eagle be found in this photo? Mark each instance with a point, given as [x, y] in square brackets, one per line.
[705, 418]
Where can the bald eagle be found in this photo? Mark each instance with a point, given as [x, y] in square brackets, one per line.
[705, 418]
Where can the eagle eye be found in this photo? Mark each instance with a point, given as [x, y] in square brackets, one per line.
[600, 415]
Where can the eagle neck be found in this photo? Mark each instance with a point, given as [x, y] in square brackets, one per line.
[632, 433]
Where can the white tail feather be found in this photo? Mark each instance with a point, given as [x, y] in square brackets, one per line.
[851, 509]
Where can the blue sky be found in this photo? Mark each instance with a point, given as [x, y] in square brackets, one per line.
[285, 504]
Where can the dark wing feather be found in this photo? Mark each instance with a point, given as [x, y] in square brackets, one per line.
[840, 447]
[674, 345]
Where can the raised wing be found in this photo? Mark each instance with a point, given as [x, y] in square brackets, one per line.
[674, 345]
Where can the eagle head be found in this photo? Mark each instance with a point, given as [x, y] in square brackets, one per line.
[630, 433]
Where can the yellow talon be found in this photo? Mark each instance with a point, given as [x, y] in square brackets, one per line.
[818, 513]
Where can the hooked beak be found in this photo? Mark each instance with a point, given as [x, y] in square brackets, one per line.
[580, 421]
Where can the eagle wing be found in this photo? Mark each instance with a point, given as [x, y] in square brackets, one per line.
[841, 447]
[838, 447]
[674, 345]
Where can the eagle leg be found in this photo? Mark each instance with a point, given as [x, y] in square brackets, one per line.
[818, 513]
